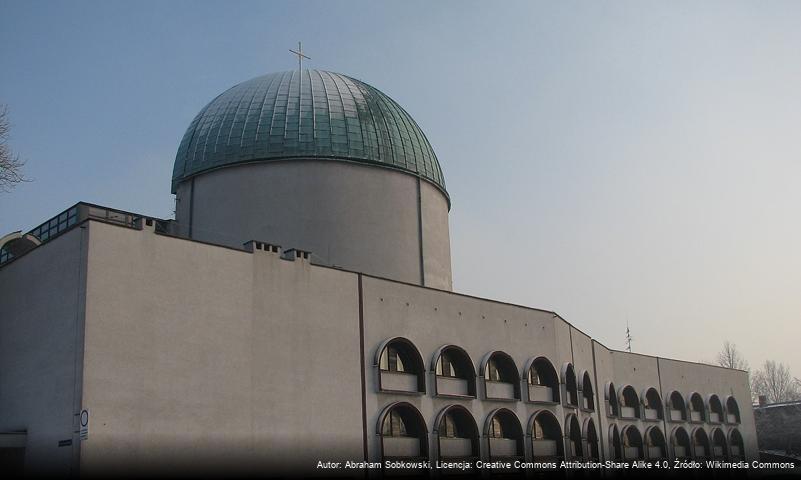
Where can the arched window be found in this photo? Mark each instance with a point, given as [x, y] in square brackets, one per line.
[591, 450]
[632, 443]
[677, 407]
[546, 436]
[629, 402]
[700, 443]
[391, 360]
[736, 447]
[571, 398]
[403, 432]
[653, 405]
[715, 409]
[655, 443]
[457, 434]
[587, 392]
[394, 425]
[719, 447]
[542, 380]
[615, 445]
[680, 441]
[501, 377]
[575, 447]
[454, 372]
[400, 367]
[732, 411]
[612, 405]
[504, 434]
[696, 407]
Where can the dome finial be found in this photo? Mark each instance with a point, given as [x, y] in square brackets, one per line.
[301, 56]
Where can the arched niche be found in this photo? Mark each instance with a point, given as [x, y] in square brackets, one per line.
[716, 412]
[736, 446]
[591, 440]
[701, 447]
[546, 436]
[568, 378]
[652, 405]
[720, 447]
[612, 404]
[732, 410]
[680, 442]
[400, 367]
[454, 373]
[500, 376]
[457, 434]
[615, 443]
[677, 409]
[573, 440]
[695, 408]
[633, 448]
[504, 435]
[402, 431]
[542, 381]
[655, 445]
[629, 402]
[587, 391]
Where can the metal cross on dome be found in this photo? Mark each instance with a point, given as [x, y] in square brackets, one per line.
[300, 55]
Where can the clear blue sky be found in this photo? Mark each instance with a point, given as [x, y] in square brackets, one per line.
[614, 161]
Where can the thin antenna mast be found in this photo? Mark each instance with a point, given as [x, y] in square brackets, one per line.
[628, 337]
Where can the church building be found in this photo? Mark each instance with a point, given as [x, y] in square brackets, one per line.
[299, 309]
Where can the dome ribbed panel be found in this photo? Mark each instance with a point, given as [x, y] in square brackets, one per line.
[305, 114]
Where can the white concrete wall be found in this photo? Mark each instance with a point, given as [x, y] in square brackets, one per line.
[41, 317]
[201, 357]
[687, 377]
[431, 319]
[643, 371]
[353, 216]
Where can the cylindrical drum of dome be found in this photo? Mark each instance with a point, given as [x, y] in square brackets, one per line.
[320, 162]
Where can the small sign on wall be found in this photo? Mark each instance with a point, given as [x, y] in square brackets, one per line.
[84, 424]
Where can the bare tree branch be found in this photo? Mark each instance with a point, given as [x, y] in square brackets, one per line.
[775, 382]
[730, 357]
[10, 164]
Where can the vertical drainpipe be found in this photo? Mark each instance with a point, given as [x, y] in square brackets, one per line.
[362, 366]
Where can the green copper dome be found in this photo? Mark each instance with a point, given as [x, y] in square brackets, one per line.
[335, 117]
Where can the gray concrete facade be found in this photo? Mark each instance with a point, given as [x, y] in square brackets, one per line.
[375, 220]
[198, 356]
[42, 301]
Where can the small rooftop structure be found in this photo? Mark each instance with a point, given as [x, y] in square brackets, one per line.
[778, 426]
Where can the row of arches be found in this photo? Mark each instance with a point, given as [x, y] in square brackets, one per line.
[401, 369]
[630, 444]
[626, 403]
[456, 435]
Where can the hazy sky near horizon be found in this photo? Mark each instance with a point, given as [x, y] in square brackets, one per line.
[616, 162]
